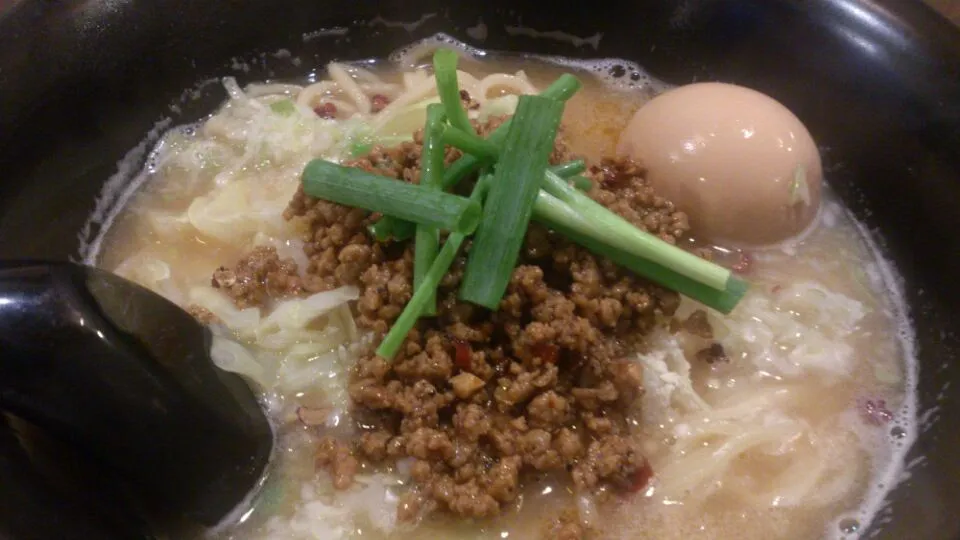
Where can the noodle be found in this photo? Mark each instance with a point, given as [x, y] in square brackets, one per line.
[260, 90]
[511, 84]
[350, 87]
[751, 424]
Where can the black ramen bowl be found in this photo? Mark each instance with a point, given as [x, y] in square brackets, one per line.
[877, 82]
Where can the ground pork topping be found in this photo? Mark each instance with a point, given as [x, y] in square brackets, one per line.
[482, 401]
[258, 277]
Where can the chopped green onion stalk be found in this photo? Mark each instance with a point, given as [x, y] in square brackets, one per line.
[360, 189]
[391, 229]
[445, 71]
[431, 280]
[559, 216]
[284, 107]
[509, 205]
[580, 182]
[570, 168]
[583, 230]
[421, 297]
[561, 89]
[600, 223]
[427, 242]
[470, 143]
[360, 148]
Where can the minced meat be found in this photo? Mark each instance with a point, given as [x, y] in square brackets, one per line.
[337, 458]
[481, 400]
[259, 276]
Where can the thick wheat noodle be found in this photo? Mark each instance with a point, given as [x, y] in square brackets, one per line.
[414, 94]
[249, 151]
[365, 75]
[697, 471]
[350, 87]
[513, 84]
[389, 90]
[792, 486]
[308, 95]
[260, 90]
[413, 78]
[416, 87]
[735, 427]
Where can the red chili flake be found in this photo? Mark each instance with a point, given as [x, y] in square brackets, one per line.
[464, 354]
[641, 477]
[875, 412]
[743, 265]
[547, 352]
[379, 102]
[776, 289]
[326, 110]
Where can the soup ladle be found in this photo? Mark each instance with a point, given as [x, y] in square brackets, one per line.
[124, 376]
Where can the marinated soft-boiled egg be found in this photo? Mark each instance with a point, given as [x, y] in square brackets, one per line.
[739, 163]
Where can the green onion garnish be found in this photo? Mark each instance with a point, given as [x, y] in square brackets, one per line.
[445, 71]
[360, 148]
[559, 216]
[421, 297]
[470, 143]
[509, 205]
[597, 221]
[394, 229]
[570, 168]
[360, 189]
[284, 107]
[427, 242]
[561, 89]
[580, 182]
[431, 280]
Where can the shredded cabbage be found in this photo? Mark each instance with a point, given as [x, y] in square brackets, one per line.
[666, 379]
[290, 349]
[152, 273]
[801, 328]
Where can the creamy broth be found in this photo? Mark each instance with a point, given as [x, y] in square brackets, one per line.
[789, 439]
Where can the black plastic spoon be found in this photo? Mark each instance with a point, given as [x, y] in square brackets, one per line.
[123, 375]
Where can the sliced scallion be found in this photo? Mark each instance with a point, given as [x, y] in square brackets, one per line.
[284, 107]
[391, 229]
[580, 182]
[431, 280]
[445, 71]
[360, 148]
[427, 239]
[470, 143]
[559, 216]
[597, 221]
[421, 297]
[561, 89]
[570, 168]
[509, 205]
[354, 187]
